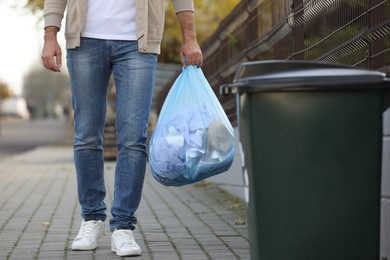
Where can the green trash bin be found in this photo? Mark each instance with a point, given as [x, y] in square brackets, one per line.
[312, 139]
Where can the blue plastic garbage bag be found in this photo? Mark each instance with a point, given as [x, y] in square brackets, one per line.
[193, 138]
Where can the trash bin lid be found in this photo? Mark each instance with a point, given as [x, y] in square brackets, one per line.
[277, 76]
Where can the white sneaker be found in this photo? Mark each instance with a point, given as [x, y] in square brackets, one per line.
[123, 243]
[89, 233]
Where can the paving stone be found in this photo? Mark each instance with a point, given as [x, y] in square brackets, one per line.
[40, 215]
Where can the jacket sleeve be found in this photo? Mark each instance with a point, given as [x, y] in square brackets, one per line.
[53, 12]
[183, 5]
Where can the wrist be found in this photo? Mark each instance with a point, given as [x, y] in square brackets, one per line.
[51, 33]
[187, 24]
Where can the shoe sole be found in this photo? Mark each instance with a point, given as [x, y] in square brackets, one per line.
[135, 253]
[83, 248]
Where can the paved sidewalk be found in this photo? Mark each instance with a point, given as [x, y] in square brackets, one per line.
[39, 214]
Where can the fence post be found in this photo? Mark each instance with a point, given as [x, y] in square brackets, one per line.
[376, 17]
[298, 30]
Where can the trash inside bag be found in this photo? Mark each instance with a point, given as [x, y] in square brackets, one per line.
[193, 138]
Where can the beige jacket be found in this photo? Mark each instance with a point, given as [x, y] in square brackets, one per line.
[150, 16]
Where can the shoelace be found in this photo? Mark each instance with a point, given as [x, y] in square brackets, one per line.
[87, 229]
[125, 237]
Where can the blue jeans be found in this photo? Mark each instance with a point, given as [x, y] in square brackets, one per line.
[90, 68]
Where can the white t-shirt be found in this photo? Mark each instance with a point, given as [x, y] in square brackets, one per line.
[110, 20]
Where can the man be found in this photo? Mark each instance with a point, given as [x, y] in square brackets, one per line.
[122, 38]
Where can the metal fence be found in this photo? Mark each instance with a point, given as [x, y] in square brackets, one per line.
[353, 32]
